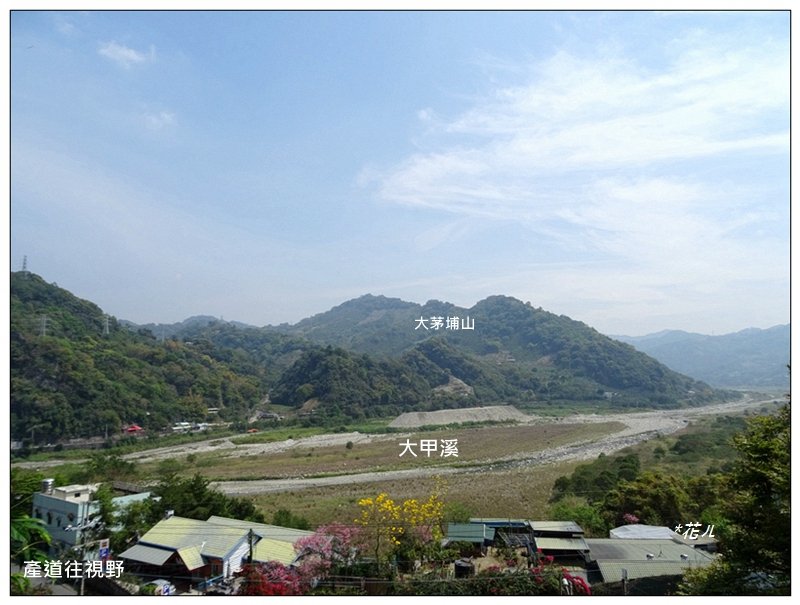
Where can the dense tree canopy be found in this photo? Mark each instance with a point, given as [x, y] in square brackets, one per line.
[76, 372]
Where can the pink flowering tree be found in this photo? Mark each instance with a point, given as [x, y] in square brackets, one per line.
[630, 519]
[330, 546]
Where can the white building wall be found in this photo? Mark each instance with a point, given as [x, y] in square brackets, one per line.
[237, 558]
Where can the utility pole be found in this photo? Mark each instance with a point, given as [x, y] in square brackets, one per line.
[83, 544]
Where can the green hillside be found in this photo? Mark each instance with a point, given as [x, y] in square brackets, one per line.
[69, 380]
[515, 353]
[365, 358]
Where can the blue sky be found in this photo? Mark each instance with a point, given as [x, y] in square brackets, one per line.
[630, 170]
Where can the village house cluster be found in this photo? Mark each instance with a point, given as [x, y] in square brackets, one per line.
[196, 556]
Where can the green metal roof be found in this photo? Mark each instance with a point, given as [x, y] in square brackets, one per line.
[177, 533]
[556, 526]
[499, 521]
[638, 549]
[561, 544]
[274, 532]
[469, 532]
[191, 557]
[147, 554]
[612, 570]
[274, 550]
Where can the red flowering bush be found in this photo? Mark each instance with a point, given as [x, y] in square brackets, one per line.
[269, 579]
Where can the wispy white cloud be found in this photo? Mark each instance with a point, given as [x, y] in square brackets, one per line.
[624, 162]
[159, 120]
[65, 26]
[580, 118]
[125, 56]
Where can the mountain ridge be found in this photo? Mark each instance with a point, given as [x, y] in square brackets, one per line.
[748, 358]
[364, 358]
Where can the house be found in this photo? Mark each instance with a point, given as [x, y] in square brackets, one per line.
[192, 551]
[614, 559]
[654, 532]
[641, 532]
[188, 549]
[563, 540]
[479, 535]
[274, 543]
[69, 510]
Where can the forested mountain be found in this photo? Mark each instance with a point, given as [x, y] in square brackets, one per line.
[515, 352]
[372, 356]
[71, 379]
[750, 358]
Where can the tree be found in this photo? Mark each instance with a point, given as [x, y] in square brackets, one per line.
[135, 519]
[269, 579]
[329, 547]
[757, 535]
[761, 508]
[574, 508]
[193, 498]
[110, 467]
[286, 518]
[29, 539]
[411, 530]
[380, 518]
[655, 498]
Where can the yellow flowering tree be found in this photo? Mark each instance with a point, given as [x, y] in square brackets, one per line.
[409, 529]
[382, 523]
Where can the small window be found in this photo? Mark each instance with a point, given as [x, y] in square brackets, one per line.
[49, 518]
[71, 516]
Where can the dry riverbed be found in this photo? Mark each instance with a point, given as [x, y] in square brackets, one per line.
[631, 429]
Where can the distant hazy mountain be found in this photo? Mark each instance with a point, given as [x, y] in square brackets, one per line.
[752, 358]
[170, 330]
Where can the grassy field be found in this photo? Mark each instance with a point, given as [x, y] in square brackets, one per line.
[476, 446]
[518, 493]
